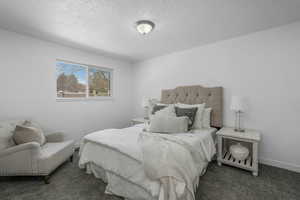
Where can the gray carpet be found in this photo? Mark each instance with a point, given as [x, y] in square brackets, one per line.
[71, 183]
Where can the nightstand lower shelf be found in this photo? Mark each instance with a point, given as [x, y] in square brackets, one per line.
[228, 159]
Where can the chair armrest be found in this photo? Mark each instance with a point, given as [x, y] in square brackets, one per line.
[21, 147]
[55, 137]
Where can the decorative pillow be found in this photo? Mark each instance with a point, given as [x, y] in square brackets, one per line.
[6, 133]
[29, 132]
[198, 123]
[168, 124]
[36, 125]
[206, 118]
[188, 112]
[152, 103]
[157, 107]
[167, 111]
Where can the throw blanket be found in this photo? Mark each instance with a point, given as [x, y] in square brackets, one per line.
[174, 162]
[122, 152]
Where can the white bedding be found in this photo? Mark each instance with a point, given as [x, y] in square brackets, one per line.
[115, 155]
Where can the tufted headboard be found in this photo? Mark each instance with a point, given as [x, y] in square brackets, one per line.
[196, 94]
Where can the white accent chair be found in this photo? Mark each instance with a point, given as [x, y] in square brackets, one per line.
[31, 159]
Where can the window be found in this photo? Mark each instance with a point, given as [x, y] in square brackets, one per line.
[79, 81]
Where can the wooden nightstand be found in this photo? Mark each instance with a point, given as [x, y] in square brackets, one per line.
[249, 138]
[137, 121]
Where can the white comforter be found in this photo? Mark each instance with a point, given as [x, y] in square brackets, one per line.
[126, 154]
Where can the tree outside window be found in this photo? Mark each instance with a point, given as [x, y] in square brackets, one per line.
[82, 81]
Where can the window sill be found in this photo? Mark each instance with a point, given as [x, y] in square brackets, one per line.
[85, 99]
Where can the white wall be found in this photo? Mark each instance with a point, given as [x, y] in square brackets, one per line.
[264, 67]
[28, 85]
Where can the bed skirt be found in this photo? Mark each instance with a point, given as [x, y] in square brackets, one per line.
[118, 185]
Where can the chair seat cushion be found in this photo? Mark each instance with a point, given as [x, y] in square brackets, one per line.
[54, 154]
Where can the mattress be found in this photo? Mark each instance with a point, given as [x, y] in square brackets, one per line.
[117, 161]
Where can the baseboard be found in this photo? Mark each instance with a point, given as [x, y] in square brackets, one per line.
[280, 164]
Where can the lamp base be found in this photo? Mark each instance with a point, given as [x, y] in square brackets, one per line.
[239, 130]
[237, 127]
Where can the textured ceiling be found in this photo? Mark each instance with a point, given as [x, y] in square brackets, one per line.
[107, 26]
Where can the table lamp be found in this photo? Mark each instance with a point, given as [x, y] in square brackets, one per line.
[237, 105]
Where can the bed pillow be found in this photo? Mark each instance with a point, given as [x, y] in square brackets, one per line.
[157, 107]
[168, 124]
[188, 112]
[206, 118]
[152, 103]
[167, 111]
[198, 123]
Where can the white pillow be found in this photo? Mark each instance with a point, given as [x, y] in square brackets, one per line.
[168, 124]
[168, 111]
[206, 118]
[198, 123]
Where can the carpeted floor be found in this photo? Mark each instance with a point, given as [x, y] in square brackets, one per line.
[219, 183]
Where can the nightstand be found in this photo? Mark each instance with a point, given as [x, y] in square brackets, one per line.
[250, 139]
[137, 121]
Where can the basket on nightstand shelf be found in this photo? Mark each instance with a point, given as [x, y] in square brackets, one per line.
[238, 151]
[229, 159]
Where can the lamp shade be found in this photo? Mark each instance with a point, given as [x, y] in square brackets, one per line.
[237, 103]
[145, 102]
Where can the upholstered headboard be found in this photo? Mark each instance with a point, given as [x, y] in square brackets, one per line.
[196, 94]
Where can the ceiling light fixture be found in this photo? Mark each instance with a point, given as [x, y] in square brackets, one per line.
[144, 26]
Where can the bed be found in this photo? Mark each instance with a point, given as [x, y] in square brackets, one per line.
[115, 155]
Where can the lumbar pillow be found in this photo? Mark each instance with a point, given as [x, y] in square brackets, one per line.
[29, 132]
[168, 124]
[198, 122]
[188, 112]
[206, 118]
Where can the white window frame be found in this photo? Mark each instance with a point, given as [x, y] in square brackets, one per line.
[87, 98]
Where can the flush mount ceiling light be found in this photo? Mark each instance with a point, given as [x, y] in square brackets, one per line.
[144, 26]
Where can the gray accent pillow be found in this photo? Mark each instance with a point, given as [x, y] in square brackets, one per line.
[188, 112]
[157, 108]
[29, 132]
